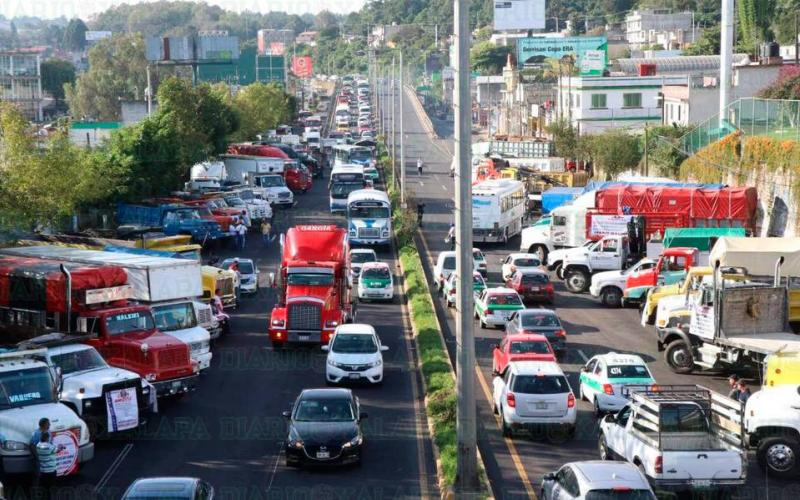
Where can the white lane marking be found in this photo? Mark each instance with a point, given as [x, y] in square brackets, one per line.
[113, 467]
[275, 467]
[583, 356]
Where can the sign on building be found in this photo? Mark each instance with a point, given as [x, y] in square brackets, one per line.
[277, 49]
[518, 15]
[94, 36]
[301, 66]
[590, 52]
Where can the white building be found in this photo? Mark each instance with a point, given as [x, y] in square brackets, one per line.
[671, 30]
[593, 104]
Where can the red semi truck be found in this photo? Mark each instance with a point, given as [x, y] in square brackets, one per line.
[297, 178]
[33, 301]
[313, 289]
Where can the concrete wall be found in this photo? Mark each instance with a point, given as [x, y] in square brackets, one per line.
[777, 213]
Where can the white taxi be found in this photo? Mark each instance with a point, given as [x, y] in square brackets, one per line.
[605, 376]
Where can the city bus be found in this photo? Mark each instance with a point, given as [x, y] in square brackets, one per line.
[498, 206]
[345, 178]
[349, 153]
[369, 217]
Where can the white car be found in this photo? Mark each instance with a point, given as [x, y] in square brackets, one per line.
[358, 257]
[534, 394]
[604, 376]
[596, 479]
[355, 353]
[609, 286]
[519, 261]
[375, 282]
[445, 265]
[248, 271]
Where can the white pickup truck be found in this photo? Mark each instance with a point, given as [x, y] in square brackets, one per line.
[609, 286]
[682, 438]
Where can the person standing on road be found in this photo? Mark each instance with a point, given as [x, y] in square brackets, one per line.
[744, 391]
[733, 382]
[420, 213]
[246, 219]
[266, 232]
[419, 166]
[238, 285]
[46, 456]
[233, 233]
[451, 236]
[241, 235]
[36, 437]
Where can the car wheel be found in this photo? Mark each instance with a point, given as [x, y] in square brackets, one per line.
[779, 456]
[678, 356]
[576, 280]
[611, 297]
[602, 448]
[597, 411]
[507, 431]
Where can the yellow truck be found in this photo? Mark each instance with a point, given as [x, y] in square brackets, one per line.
[223, 280]
[782, 368]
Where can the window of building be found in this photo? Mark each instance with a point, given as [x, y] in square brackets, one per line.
[576, 103]
[632, 100]
[679, 111]
[598, 101]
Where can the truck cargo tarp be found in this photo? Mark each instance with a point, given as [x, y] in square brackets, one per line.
[758, 255]
[39, 285]
[321, 243]
[726, 207]
[701, 238]
[557, 196]
[598, 185]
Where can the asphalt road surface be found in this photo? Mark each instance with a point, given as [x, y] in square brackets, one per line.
[230, 430]
[516, 466]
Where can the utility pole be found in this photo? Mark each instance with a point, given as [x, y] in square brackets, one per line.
[796, 38]
[402, 141]
[725, 56]
[466, 437]
[394, 130]
[646, 150]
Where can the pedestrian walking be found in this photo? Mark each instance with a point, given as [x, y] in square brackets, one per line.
[246, 219]
[241, 235]
[451, 236]
[733, 383]
[266, 232]
[46, 456]
[744, 391]
[233, 233]
[238, 284]
[419, 166]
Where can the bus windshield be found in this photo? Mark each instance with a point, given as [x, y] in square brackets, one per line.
[369, 212]
[360, 155]
[343, 189]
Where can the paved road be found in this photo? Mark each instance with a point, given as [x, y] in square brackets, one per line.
[515, 467]
[230, 430]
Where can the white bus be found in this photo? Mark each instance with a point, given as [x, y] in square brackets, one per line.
[344, 180]
[369, 217]
[498, 206]
[350, 153]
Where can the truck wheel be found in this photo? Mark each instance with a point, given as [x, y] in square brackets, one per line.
[602, 448]
[611, 297]
[678, 356]
[559, 270]
[577, 280]
[541, 250]
[507, 431]
[779, 456]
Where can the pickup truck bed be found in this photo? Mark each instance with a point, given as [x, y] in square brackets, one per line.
[764, 343]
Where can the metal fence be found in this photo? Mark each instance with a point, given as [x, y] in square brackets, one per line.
[779, 119]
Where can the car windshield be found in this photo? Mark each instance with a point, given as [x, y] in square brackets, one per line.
[235, 202]
[341, 190]
[272, 181]
[26, 387]
[357, 212]
[376, 273]
[619, 494]
[361, 257]
[118, 324]
[449, 263]
[324, 410]
[79, 361]
[360, 155]
[246, 195]
[527, 262]
[534, 279]
[628, 371]
[352, 343]
[505, 299]
[539, 320]
[174, 316]
[311, 279]
[529, 347]
[540, 384]
[204, 212]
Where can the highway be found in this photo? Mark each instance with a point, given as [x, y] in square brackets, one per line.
[516, 466]
[230, 431]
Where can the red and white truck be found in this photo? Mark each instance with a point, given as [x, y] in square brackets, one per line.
[298, 178]
[313, 287]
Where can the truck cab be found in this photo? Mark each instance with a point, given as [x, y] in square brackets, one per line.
[670, 268]
[609, 253]
[273, 188]
[172, 219]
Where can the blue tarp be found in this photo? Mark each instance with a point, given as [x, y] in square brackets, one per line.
[557, 196]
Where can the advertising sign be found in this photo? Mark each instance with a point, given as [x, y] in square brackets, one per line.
[122, 410]
[277, 48]
[607, 225]
[301, 66]
[93, 36]
[591, 52]
[518, 15]
[67, 444]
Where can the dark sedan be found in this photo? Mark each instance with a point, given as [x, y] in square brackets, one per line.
[324, 428]
[542, 322]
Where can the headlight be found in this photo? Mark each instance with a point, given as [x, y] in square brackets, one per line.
[352, 232]
[356, 441]
[332, 362]
[10, 445]
[376, 363]
[331, 323]
[294, 440]
[279, 323]
[150, 377]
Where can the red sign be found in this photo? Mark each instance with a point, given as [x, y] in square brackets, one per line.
[277, 48]
[68, 449]
[301, 66]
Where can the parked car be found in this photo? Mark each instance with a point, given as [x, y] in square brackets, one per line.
[172, 488]
[539, 321]
[445, 265]
[603, 378]
[449, 290]
[520, 347]
[354, 354]
[495, 306]
[480, 262]
[324, 428]
[359, 256]
[248, 271]
[596, 479]
[375, 282]
[519, 261]
[534, 394]
[532, 285]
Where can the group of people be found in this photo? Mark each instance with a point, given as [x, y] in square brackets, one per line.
[238, 230]
[739, 389]
[45, 460]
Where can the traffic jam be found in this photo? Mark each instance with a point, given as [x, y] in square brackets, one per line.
[102, 334]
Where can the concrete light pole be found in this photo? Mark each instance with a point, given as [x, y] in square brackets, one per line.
[402, 140]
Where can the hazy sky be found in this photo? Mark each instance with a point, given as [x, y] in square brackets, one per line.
[85, 8]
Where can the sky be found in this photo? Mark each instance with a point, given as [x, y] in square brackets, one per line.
[49, 9]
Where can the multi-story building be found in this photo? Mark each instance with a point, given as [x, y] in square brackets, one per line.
[21, 81]
[670, 30]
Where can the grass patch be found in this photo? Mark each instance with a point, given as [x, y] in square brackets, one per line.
[439, 383]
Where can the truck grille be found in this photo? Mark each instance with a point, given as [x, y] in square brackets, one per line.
[171, 357]
[283, 194]
[225, 285]
[204, 316]
[304, 317]
[368, 232]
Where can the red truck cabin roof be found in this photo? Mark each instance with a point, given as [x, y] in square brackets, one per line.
[257, 150]
[680, 251]
[315, 243]
[39, 284]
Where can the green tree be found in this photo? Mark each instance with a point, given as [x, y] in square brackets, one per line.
[75, 35]
[489, 59]
[664, 157]
[755, 18]
[707, 44]
[613, 151]
[565, 138]
[55, 74]
[260, 107]
[117, 70]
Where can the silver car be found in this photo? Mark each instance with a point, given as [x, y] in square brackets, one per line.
[596, 480]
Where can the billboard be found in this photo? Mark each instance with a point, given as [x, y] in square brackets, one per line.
[188, 48]
[93, 36]
[590, 52]
[276, 49]
[518, 15]
[301, 66]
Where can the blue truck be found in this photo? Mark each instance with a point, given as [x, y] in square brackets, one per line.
[171, 219]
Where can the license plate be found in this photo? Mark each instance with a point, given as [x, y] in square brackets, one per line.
[323, 454]
[701, 483]
[541, 406]
[355, 375]
[176, 385]
[304, 337]
[534, 289]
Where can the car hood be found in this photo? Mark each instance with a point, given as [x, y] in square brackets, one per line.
[154, 339]
[18, 424]
[609, 277]
[325, 433]
[355, 359]
[97, 378]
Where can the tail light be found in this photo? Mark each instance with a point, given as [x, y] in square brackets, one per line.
[608, 389]
[549, 288]
[325, 337]
[561, 333]
[570, 400]
[659, 464]
[452, 291]
[489, 310]
[511, 400]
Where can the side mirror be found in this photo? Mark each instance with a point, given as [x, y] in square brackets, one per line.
[271, 280]
[584, 369]
[325, 348]
[286, 414]
[550, 476]
[610, 418]
[362, 415]
[384, 348]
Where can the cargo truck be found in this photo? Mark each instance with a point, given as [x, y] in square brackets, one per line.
[171, 219]
[260, 173]
[314, 293]
[34, 301]
[170, 287]
[296, 179]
